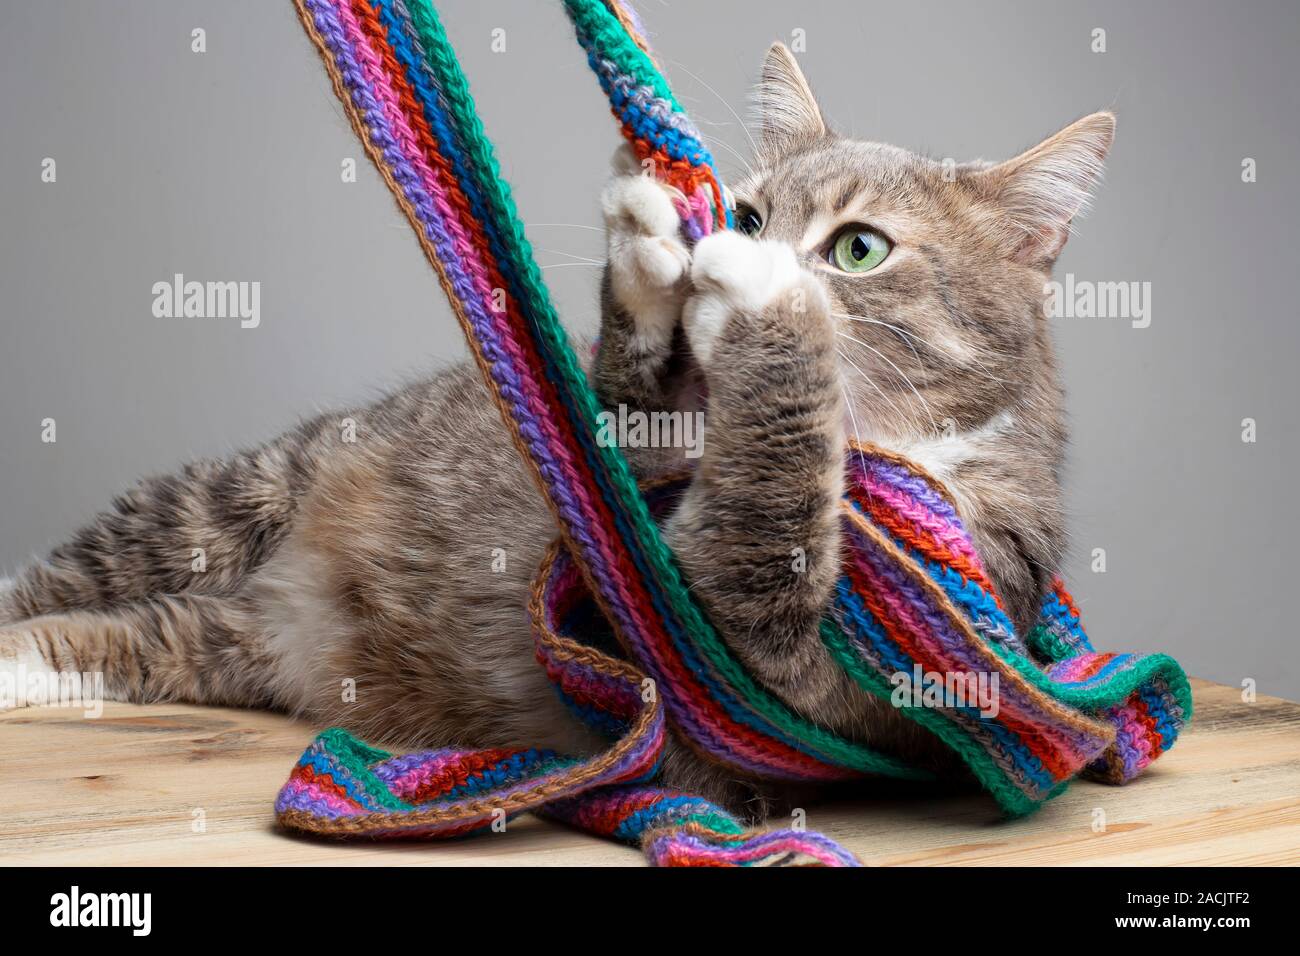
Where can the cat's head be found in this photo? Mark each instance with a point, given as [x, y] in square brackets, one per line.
[935, 270]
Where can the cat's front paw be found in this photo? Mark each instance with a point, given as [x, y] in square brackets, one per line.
[733, 276]
[646, 258]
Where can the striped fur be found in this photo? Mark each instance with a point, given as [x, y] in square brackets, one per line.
[333, 565]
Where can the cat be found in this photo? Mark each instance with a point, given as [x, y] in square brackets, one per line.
[867, 292]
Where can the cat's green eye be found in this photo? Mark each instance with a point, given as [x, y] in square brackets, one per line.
[858, 249]
[748, 221]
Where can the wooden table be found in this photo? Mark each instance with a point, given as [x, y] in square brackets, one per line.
[174, 784]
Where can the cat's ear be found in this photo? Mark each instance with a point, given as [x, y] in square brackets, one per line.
[788, 114]
[1038, 192]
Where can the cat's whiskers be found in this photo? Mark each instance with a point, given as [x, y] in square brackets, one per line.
[572, 225]
[718, 141]
[571, 255]
[901, 374]
[901, 333]
[853, 420]
[906, 335]
[870, 381]
[697, 79]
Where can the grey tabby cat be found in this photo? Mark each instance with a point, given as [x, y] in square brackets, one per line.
[873, 292]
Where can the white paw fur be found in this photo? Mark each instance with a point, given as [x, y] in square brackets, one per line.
[732, 273]
[647, 260]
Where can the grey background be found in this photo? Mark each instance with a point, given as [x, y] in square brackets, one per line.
[225, 166]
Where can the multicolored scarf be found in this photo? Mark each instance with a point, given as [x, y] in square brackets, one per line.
[913, 604]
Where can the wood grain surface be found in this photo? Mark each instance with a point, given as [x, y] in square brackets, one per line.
[173, 784]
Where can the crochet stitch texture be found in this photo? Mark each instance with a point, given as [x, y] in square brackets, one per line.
[912, 592]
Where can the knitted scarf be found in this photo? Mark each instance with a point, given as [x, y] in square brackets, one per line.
[914, 616]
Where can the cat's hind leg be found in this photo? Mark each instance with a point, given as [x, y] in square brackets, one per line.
[195, 648]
